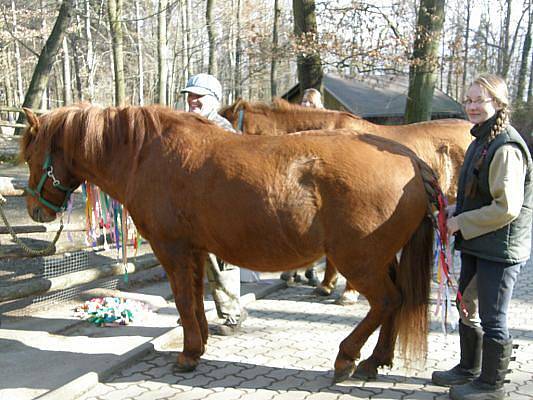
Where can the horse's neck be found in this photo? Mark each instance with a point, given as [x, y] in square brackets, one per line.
[111, 175]
[357, 123]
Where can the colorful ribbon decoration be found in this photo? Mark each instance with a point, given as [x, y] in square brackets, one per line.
[444, 262]
[107, 218]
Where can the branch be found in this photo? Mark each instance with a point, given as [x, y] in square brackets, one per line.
[16, 38]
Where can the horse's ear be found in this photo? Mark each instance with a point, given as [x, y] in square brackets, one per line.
[33, 120]
[239, 103]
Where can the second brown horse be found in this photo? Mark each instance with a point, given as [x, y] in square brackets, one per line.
[440, 143]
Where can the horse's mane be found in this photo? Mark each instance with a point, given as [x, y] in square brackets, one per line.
[98, 131]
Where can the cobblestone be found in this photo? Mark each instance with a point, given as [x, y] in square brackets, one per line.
[287, 348]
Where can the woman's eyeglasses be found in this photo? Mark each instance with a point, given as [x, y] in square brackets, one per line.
[477, 102]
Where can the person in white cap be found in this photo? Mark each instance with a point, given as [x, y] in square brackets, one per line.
[204, 94]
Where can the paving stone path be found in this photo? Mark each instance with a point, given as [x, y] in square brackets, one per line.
[287, 349]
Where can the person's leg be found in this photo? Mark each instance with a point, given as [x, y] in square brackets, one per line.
[290, 276]
[495, 287]
[224, 282]
[311, 275]
[470, 333]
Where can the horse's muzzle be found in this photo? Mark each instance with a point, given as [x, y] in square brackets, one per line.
[39, 215]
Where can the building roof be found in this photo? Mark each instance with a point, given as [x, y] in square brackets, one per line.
[380, 96]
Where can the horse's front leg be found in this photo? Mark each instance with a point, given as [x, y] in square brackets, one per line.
[186, 280]
[199, 274]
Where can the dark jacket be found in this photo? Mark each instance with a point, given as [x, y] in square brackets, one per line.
[512, 243]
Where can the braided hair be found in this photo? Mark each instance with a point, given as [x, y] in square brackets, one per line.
[497, 89]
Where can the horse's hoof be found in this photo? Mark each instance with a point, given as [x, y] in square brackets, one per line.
[347, 299]
[322, 291]
[343, 374]
[184, 364]
[365, 371]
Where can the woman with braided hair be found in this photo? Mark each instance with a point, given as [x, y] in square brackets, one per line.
[492, 226]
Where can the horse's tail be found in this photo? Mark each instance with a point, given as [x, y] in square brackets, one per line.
[414, 277]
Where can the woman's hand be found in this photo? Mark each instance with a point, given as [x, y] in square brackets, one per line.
[453, 225]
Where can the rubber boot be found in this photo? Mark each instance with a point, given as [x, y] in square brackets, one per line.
[470, 365]
[489, 385]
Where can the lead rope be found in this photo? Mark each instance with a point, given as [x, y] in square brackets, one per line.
[48, 250]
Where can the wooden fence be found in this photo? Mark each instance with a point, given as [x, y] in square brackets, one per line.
[9, 116]
[75, 267]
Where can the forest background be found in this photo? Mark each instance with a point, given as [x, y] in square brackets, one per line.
[143, 51]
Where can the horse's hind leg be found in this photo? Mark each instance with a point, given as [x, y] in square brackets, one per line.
[383, 353]
[381, 294]
[326, 287]
[348, 297]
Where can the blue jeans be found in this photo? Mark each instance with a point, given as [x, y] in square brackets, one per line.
[487, 288]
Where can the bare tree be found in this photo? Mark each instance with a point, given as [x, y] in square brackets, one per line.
[530, 86]
[114, 10]
[41, 73]
[162, 52]
[424, 61]
[212, 35]
[20, 88]
[504, 54]
[522, 74]
[275, 41]
[67, 81]
[138, 26]
[305, 29]
[238, 52]
[467, 36]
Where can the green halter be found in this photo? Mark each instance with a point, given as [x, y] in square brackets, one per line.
[49, 173]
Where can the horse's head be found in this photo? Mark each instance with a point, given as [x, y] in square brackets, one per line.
[50, 183]
[251, 118]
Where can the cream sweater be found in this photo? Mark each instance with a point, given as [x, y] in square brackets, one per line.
[507, 173]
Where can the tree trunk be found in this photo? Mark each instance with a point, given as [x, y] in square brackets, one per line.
[522, 74]
[162, 53]
[273, 63]
[530, 86]
[10, 91]
[41, 73]
[115, 13]
[77, 67]
[238, 54]
[67, 81]
[309, 66]
[212, 36]
[18, 63]
[424, 61]
[91, 59]
[467, 36]
[187, 27]
[506, 56]
[139, 52]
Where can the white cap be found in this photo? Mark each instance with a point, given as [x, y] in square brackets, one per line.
[204, 84]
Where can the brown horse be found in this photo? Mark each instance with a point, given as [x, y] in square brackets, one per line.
[264, 203]
[441, 144]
